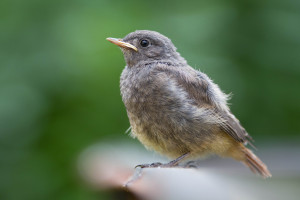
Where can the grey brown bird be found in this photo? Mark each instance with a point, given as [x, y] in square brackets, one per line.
[176, 110]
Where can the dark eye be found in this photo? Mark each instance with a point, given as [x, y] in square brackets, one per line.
[144, 43]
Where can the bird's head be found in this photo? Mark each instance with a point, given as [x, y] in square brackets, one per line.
[146, 46]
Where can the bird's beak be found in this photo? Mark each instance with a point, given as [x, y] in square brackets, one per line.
[120, 43]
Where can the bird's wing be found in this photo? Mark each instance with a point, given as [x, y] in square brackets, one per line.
[204, 92]
[233, 127]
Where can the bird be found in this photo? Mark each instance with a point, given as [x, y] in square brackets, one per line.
[176, 110]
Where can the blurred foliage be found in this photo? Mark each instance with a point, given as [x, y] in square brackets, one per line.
[59, 77]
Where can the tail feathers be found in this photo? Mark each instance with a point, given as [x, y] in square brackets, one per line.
[255, 164]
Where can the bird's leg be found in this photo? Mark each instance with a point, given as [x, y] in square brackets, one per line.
[172, 163]
[176, 161]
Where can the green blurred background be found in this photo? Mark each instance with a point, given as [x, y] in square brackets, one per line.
[59, 77]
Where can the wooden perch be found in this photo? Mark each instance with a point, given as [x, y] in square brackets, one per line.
[112, 168]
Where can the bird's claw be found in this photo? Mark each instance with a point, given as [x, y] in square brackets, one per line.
[173, 163]
[152, 165]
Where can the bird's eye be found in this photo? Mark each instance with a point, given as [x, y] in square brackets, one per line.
[144, 43]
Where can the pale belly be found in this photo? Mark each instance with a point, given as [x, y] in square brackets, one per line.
[173, 142]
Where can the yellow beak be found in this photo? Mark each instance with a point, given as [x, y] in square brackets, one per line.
[120, 43]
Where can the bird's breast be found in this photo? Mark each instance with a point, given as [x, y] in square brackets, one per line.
[161, 115]
[147, 108]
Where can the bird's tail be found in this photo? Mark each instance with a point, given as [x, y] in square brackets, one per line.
[254, 163]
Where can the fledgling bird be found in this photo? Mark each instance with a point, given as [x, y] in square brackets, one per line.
[176, 110]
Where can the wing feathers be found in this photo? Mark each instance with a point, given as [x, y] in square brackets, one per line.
[205, 93]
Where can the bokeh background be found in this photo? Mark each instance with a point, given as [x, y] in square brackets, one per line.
[59, 77]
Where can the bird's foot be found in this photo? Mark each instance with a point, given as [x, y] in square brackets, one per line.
[158, 165]
[173, 163]
[152, 165]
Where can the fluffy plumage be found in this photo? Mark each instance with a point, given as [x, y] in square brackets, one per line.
[175, 109]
